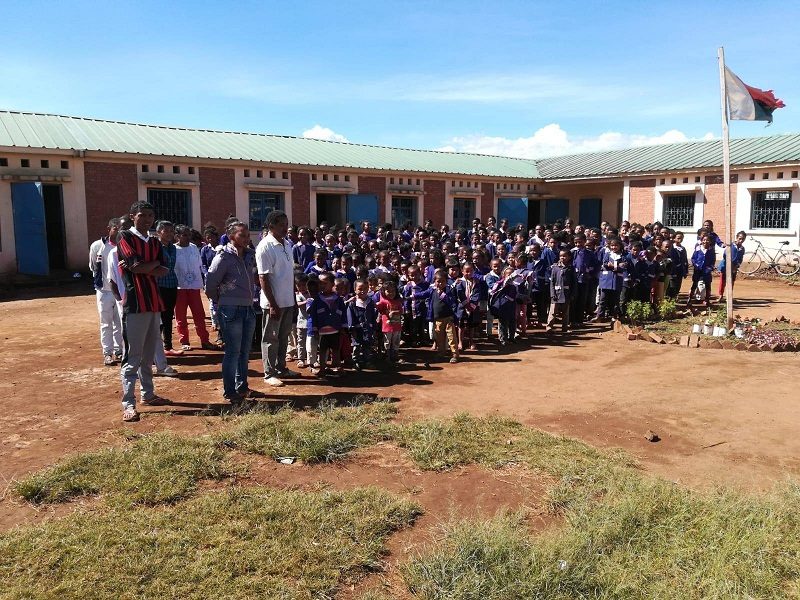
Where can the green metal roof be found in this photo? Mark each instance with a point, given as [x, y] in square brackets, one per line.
[44, 131]
[672, 157]
[34, 130]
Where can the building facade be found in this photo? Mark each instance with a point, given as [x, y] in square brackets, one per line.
[63, 178]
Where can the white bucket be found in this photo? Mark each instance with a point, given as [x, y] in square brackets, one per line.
[707, 329]
[696, 328]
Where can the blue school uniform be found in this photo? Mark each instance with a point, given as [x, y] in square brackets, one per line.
[468, 305]
[361, 322]
[303, 254]
[446, 299]
[503, 300]
[704, 260]
[315, 269]
[322, 314]
[737, 255]
[562, 283]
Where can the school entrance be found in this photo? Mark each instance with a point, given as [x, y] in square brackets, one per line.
[38, 227]
[338, 209]
[514, 210]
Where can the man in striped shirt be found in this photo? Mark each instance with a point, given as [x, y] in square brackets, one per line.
[141, 261]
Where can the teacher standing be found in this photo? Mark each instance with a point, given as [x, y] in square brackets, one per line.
[276, 276]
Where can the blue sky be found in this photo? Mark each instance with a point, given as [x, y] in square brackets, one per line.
[519, 78]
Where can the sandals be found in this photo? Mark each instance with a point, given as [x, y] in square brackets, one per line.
[130, 415]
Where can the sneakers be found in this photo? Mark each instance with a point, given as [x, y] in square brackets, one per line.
[155, 401]
[129, 415]
[166, 372]
[453, 360]
[301, 364]
[108, 360]
[172, 352]
[287, 374]
[273, 381]
[118, 355]
[185, 347]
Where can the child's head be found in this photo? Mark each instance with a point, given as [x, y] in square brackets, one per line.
[706, 241]
[414, 273]
[708, 225]
[321, 257]
[211, 236]
[740, 238]
[636, 248]
[565, 257]
[520, 260]
[301, 283]
[535, 251]
[313, 286]
[326, 282]
[579, 240]
[373, 283]
[342, 286]
[166, 232]
[615, 244]
[508, 271]
[453, 269]
[468, 270]
[496, 266]
[336, 264]
[678, 237]
[440, 281]
[361, 289]
[552, 243]
[389, 290]
[650, 253]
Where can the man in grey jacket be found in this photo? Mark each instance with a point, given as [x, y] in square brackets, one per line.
[230, 284]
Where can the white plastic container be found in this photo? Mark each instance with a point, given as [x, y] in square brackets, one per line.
[696, 328]
[719, 332]
[707, 328]
[738, 331]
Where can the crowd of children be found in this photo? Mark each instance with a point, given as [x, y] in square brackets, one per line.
[363, 295]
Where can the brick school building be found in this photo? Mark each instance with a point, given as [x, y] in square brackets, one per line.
[62, 178]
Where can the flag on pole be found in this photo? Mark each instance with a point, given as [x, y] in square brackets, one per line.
[747, 103]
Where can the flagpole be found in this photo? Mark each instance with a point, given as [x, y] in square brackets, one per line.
[726, 181]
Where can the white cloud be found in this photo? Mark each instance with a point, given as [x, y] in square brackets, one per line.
[318, 132]
[552, 140]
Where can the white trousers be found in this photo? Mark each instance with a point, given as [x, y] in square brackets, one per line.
[110, 323]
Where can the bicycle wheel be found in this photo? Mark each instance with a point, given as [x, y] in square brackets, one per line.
[787, 263]
[751, 262]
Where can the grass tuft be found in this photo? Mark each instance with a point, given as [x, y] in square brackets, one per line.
[322, 435]
[156, 468]
[643, 539]
[244, 543]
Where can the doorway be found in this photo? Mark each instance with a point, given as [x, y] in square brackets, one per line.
[589, 210]
[331, 210]
[514, 210]
[534, 213]
[38, 227]
[556, 209]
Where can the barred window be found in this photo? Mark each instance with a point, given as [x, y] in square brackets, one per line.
[261, 204]
[679, 211]
[404, 209]
[171, 205]
[770, 209]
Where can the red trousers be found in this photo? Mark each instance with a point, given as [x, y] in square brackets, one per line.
[190, 299]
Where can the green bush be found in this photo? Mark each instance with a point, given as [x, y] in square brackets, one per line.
[667, 308]
[638, 311]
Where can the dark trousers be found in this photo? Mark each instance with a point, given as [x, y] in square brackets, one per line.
[169, 296]
[415, 330]
[542, 302]
[609, 304]
[674, 286]
[579, 302]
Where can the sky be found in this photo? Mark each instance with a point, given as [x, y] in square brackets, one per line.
[517, 78]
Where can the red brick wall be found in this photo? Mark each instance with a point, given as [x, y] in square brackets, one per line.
[487, 201]
[301, 199]
[642, 201]
[714, 207]
[434, 202]
[217, 197]
[377, 186]
[111, 188]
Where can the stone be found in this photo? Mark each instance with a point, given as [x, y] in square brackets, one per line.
[694, 341]
[753, 348]
[644, 336]
[627, 329]
[715, 344]
[654, 337]
[740, 346]
[684, 341]
[617, 326]
[632, 337]
[727, 344]
[652, 436]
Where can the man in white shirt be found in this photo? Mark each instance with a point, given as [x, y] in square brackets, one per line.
[110, 324]
[276, 276]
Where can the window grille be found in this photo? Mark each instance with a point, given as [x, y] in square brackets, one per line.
[403, 211]
[171, 205]
[770, 209]
[679, 211]
[261, 204]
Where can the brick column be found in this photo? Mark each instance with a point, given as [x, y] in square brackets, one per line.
[434, 201]
[301, 199]
[217, 197]
[714, 207]
[643, 201]
[487, 201]
[111, 188]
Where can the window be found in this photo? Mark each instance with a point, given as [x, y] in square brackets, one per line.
[65, 164]
[259, 173]
[770, 209]
[160, 168]
[3, 162]
[176, 170]
[679, 211]
[45, 164]
[247, 172]
[261, 204]
[24, 163]
[404, 209]
[171, 205]
[463, 212]
[145, 168]
[191, 170]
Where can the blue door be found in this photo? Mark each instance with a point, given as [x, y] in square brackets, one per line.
[556, 210]
[589, 212]
[363, 207]
[30, 231]
[515, 210]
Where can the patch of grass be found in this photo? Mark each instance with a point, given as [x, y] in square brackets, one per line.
[642, 539]
[156, 468]
[496, 441]
[245, 543]
[322, 435]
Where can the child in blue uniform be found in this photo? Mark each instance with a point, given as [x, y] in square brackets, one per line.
[442, 304]
[703, 261]
[361, 320]
[562, 288]
[503, 305]
[326, 319]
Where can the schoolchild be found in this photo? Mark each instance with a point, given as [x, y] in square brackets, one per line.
[303, 251]
[442, 303]
[326, 319]
[703, 261]
[470, 292]
[320, 264]
[361, 319]
[503, 305]
[494, 275]
[312, 338]
[540, 284]
[301, 296]
[614, 269]
[664, 269]
[737, 255]
[415, 311]
[562, 286]
[342, 288]
[680, 266]
[110, 323]
[584, 261]
[390, 308]
[646, 270]
[189, 274]
[521, 277]
[168, 284]
[207, 254]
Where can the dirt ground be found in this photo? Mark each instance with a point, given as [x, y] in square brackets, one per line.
[724, 417]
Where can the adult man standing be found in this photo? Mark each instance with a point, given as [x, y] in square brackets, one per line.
[141, 259]
[276, 276]
[110, 325]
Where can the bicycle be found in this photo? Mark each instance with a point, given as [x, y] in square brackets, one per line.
[785, 262]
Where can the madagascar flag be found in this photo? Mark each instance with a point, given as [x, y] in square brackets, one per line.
[747, 103]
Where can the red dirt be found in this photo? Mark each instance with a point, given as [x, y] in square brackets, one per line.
[724, 417]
